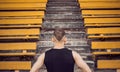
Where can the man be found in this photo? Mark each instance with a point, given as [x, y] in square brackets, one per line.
[60, 59]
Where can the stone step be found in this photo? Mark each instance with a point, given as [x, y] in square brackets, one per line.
[68, 44]
[55, 4]
[62, 9]
[62, 0]
[73, 21]
[62, 25]
[64, 21]
[62, 16]
[64, 12]
[70, 37]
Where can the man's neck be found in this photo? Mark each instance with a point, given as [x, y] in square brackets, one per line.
[58, 46]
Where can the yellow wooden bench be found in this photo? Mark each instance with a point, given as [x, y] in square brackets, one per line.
[98, 48]
[20, 33]
[110, 32]
[15, 65]
[8, 23]
[22, 5]
[99, 4]
[23, 47]
[21, 14]
[98, 0]
[108, 46]
[100, 13]
[102, 21]
[40, 1]
[108, 64]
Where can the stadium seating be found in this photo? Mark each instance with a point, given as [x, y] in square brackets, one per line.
[110, 32]
[108, 64]
[101, 4]
[23, 5]
[15, 65]
[102, 21]
[20, 19]
[19, 33]
[24, 46]
[20, 23]
[108, 46]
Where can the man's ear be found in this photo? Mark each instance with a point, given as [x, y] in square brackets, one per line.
[65, 39]
[52, 39]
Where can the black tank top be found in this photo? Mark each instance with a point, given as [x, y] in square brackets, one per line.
[59, 60]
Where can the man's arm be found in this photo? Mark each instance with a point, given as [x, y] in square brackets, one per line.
[80, 63]
[38, 64]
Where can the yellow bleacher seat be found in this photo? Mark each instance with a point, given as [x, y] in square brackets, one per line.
[21, 14]
[108, 64]
[19, 33]
[6, 23]
[99, 4]
[100, 13]
[98, 46]
[108, 46]
[110, 32]
[22, 46]
[98, 0]
[22, 6]
[24, 1]
[15, 65]
[102, 21]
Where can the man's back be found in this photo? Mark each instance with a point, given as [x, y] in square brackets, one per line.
[59, 60]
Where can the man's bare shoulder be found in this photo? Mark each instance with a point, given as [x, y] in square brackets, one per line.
[75, 54]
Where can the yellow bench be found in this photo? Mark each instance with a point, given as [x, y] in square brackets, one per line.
[98, 48]
[102, 21]
[98, 0]
[110, 32]
[8, 23]
[108, 64]
[5, 1]
[20, 33]
[23, 47]
[99, 4]
[15, 65]
[20, 46]
[108, 46]
[22, 6]
[21, 14]
[100, 13]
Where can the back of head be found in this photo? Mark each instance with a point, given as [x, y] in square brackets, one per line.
[59, 33]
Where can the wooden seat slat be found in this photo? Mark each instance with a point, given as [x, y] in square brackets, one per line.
[105, 45]
[101, 13]
[108, 64]
[98, 0]
[23, 1]
[22, 6]
[15, 65]
[20, 21]
[18, 46]
[101, 20]
[7, 32]
[101, 24]
[21, 13]
[100, 5]
[110, 30]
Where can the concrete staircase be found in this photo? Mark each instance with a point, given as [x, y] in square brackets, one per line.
[65, 14]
